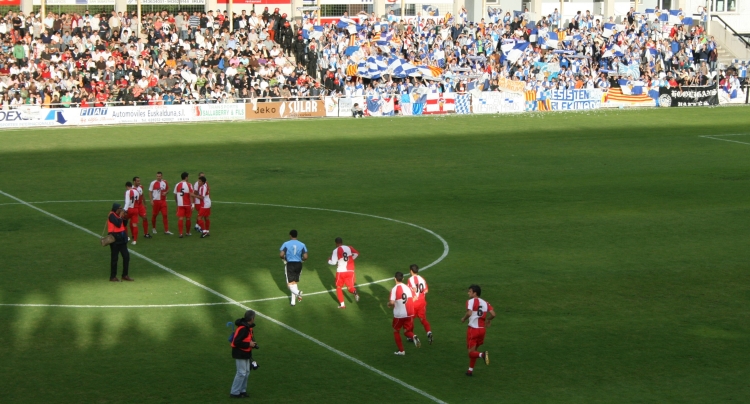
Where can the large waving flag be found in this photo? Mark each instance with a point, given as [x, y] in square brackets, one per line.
[514, 54]
[609, 30]
[551, 41]
[675, 17]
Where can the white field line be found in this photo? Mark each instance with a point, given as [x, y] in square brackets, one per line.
[446, 249]
[727, 140]
[232, 301]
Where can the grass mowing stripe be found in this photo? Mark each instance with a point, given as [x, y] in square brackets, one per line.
[232, 301]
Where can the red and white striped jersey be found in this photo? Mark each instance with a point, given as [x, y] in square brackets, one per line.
[343, 257]
[204, 192]
[131, 198]
[183, 190]
[419, 286]
[197, 188]
[402, 296]
[139, 201]
[479, 309]
[158, 190]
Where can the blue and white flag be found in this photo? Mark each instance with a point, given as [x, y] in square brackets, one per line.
[514, 54]
[675, 17]
[431, 11]
[552, 40]
[609, 30]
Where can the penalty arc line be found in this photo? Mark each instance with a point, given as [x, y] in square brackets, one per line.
[725, 140]
[232, 301]
[446, 250]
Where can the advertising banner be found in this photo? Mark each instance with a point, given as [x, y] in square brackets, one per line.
[493, 102]
[218, 112]
[688, 96]
[332, 106]
[285, 109]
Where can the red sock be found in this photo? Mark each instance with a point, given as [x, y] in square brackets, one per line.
[399, 343]
[426, 325]
[189, 225]
[208, 224]
[179, 225]
[166, 222]
[134, 230]
[409, 334]
[472, 362]
[201, 224]
[145, 225]
[340, 294]
[474, 354]
[153, 220]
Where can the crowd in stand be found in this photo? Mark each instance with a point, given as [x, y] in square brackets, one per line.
[69, 59]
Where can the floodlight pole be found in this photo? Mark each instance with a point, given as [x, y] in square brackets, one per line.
[43, 10]
[403, 11]
[139, 10]
[230, 11]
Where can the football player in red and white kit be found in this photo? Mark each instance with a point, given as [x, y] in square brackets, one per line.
[204, 212]
[343, 257]
[131, 197]
[197, 203]
[183, 194]
[477, 313]
[418, 286]
[402, 301]
[141, 206]
[158, 191]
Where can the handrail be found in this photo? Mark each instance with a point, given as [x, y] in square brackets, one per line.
[747, 44]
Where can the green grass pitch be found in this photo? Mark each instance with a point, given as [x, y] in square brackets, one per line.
[613, 246]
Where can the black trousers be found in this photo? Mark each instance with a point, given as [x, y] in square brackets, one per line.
[116, 250]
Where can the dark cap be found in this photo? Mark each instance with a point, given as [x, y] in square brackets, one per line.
[115, 206]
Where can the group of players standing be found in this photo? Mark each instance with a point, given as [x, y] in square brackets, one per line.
[407, 300]
[189, 198]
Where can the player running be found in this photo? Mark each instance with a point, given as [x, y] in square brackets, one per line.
[402, 302]
[418, 286]
[202, 196]
[293, 253]
[183, 194]
[158, 191]
[476, 312]
[198, 203]
[141, 206]
[131, 196]
[343, 257]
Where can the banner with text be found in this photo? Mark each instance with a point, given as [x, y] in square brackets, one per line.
[494, 102]
[688, 96]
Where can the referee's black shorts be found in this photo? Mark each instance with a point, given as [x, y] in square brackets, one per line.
[293, 269]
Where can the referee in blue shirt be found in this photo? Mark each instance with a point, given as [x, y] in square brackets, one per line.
[293, 253]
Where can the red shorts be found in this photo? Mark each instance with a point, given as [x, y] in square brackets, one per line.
[184, 211]
[133, 213]
[142, 210]
[345, 279]
[160, 206]
[204, 212]
[407, 323]
[474, 337]
[420, 311]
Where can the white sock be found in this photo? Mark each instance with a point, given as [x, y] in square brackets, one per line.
[295, 291]
[471, 369]
[342, 304]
